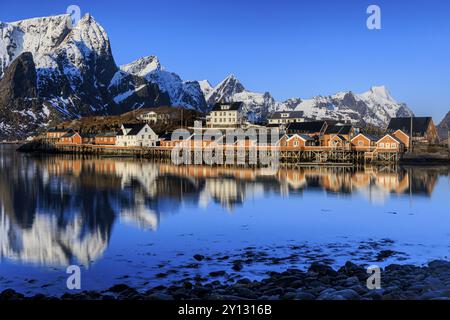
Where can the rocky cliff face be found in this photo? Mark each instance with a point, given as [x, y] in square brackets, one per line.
[21, 109]
[75, 73]
[187, 94]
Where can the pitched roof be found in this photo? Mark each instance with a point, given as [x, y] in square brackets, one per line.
[134, 128]
[341, 137]
[339, 129]
[286, 115]
[392, 137]
[233, 106]
[166, 136]
[70, 134]
[371, 137]
[420, 125]
[306, 127]
[304, 137]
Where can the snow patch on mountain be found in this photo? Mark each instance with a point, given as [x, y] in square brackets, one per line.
[40, 36]
[187, 94]
[255, 105]
[375, 107]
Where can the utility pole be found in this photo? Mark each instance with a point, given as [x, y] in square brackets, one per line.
[411, 136]
[448, 139]
[182, 118]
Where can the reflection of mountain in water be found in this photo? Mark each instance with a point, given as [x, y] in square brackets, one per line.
[59, 209]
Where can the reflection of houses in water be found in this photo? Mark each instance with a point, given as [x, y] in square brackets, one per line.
[227, 192]
[391, 182]
[62, 208]
[422, 181]
[361, 179]
[295, 179]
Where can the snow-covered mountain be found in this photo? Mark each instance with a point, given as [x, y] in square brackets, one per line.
[256, 106]
[73, 68]
[52, 71]
[375, 106]
[186, 94]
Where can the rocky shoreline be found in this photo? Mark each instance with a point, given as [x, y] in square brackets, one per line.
[319, 282]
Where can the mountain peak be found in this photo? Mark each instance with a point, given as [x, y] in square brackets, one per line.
[143, 66]
[381, 91]
[225, 90]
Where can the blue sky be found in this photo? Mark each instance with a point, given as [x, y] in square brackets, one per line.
[290, 48]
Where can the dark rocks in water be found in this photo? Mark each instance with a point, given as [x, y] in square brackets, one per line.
[237, 266]
[187, 285]
[118, 288]
[220, 273]
[9, 294]
[437, 264]
[319, 282]
[223, 258]
[200, 291]
[159, 296]
[199, 257]
[321, 269]
[301, 295]
[383, 255]
[350, 269]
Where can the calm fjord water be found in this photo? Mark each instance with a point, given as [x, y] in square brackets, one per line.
[141, 223]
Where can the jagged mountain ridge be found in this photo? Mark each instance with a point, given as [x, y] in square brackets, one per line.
[75, 73]
[73, 64]
[21, 109]
[256, 106]
[186, 94]
[375, 107]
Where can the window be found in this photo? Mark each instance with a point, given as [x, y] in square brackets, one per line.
[360, 143]
[296, 143]
[388, 145]
[393, 145]
[382, 145]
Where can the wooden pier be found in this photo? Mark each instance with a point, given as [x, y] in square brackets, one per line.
[239, 156]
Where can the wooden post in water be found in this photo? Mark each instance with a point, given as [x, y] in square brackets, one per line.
[411, 136]
[448, 143]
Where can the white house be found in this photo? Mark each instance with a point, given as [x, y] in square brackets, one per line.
[286, 117]
[224, 115]
[149, 117]
[152, 117]
[136, 135]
